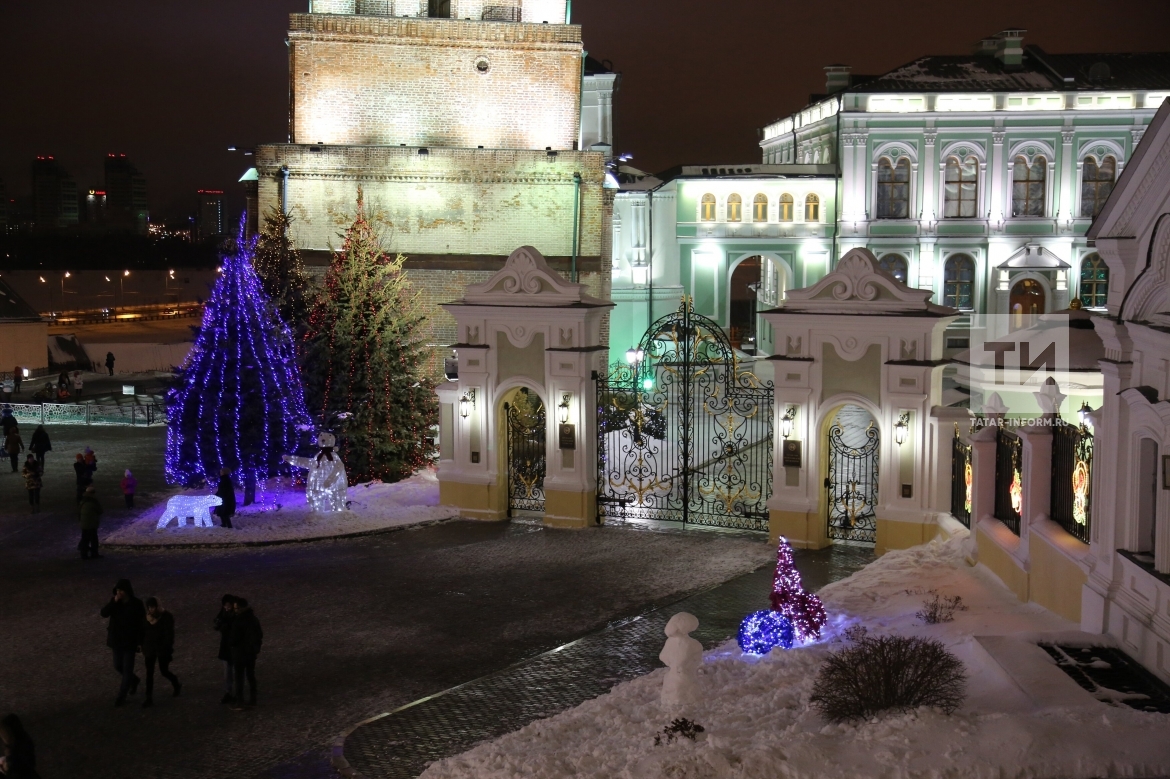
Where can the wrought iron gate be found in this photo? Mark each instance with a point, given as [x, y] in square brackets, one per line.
[527, 425]
[684, 434]
[851, 486]
[961, 479]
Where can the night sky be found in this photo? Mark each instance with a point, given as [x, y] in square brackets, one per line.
[172, 83]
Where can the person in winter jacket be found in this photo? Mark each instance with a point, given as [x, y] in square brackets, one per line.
[223, 624]
[32, 483]
[110, 362]
[13, 445]
[84, 476]
[246, 638]
[90, 462]
[158, 645]
[78, 384]
[39, 444]
[227, 493]
[124, 634]
[90, 516]
[7, 421]
[18, 757]
[129, 486]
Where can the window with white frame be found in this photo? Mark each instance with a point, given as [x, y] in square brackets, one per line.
[707, 208]
[812, 209]
[786, 204]
[734, 208]
[1096, 184]
[1094, 281]
[960, 188]
[760, 208]
[1028, 186]
[959, 282]
[893, 189]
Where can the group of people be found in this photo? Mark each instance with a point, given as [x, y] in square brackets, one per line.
[135, 626]
[34, 463]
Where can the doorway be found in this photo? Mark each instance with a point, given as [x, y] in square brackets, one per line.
[851, 483]
[526, 424]
[744, 286]
[1026, 303]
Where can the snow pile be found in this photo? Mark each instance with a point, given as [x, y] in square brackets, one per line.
[758, 722]
[281, 513]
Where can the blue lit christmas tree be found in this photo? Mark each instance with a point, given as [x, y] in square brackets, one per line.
[237, 402]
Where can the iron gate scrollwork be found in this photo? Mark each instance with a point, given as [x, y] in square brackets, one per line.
[961, 479]
[684, 433]
[527, 423]
[851, 488]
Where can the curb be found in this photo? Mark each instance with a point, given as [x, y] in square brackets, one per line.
[122, 547]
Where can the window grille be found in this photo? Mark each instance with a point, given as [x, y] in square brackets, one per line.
[893, 189]
[961, 188]
[959, 282]
[1028, 184]
[1094, 281]
[1096, 184]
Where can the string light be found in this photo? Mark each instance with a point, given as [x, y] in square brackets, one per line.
[179, 507]
[237, 402]
[803, 609]
[762, 631]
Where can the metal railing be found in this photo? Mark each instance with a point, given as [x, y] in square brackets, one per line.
[1009, 487]
[87, 414]
[961, 479]
[1072, 478]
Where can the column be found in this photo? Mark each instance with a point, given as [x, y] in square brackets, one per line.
[1067, 182]
[998, 191]
[929, 180]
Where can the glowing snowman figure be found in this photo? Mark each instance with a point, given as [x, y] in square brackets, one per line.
[327, 482]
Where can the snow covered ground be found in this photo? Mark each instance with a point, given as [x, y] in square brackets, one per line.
[1031, 721]
[280, 513]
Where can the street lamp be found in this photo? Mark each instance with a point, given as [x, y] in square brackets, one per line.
[67, 275]
[633, 355]
[1083, 413]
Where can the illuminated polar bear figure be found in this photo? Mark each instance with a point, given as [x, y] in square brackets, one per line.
[195, 506]
[327, 482]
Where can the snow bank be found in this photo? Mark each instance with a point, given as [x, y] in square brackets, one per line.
[280, 513]
[759, 724]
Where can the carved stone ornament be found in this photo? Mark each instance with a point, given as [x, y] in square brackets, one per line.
[859, 285]
[527, 280]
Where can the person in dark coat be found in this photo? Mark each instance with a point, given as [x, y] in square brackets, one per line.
[158, 645]
[32, 483]
[227, 493]
[129, 487]
[39, 444]
[223, 624]
[110, 362]
[84, 476]
[89, 514]
[124, 633]
[246, 638]
[14, 446]
[7, 421]
[18, 756]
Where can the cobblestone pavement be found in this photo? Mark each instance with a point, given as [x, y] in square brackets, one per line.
[402, 743]
[352, 628]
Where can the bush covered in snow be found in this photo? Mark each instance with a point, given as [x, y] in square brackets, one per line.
[888, 673]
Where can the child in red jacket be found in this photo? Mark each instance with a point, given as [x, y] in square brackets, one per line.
[129, 485]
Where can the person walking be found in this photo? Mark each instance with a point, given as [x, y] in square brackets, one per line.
[246, 639]
[223, 624]
[77, 385]
[17, 377]
[129, 486]
[7, 421]
[227, 493]
[84, 476]
[32, 483]
[13, 445]
[39, 444]
[18, 756]
[90, 462]
[63, 381]
[124, 633]
[158, 645]
[110, 362]
[90, 518]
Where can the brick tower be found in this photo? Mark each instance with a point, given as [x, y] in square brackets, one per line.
[461, 121]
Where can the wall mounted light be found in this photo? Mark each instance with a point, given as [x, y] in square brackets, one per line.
[900, 427]
[786, 421]
[1083, 413]
[639, 275]
[564, 407]
[467, 403]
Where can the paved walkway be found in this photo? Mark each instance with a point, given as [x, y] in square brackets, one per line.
[399, 745]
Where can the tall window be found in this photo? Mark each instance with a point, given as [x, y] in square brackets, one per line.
[812, 209]
[895, 265]
[707, 208]
[1096, 184]
[959, 282]
[439, 9]
[786, 208]
[893, 189]
[961, 190]
[760, 208]
[734, 208]
[1094, 281]
[1028, 187]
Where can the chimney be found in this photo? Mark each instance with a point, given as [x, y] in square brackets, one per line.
[1010, 50]
[987, 47]
[836, 78]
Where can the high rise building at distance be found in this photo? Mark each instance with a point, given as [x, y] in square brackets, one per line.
[54, 195]
[126, 204]
[210, 218]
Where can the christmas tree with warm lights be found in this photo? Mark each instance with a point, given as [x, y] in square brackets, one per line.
[237, 401]
[281, 271]
[803, 609]
[364, 356]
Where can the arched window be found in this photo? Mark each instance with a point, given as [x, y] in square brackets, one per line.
[895, 265]
[812, 209]
[786, 208]
[707, 208]
[959, 282]
[734, 208]
[760, 208]
[1028, 186]
[961, 188]
[1094, 281]
[893, 189]
[1096, 184]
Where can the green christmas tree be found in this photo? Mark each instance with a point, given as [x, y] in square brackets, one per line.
[363, 360]
[281, 271]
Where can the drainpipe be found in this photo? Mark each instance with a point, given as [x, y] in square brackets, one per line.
[650, 258]
[284, 189]
[576, 224]
[840, 174]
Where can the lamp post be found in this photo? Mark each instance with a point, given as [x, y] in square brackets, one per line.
[67, 275]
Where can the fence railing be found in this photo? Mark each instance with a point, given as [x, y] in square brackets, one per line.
[961, 479]
[1009, 485]
[1072, 472]
[87, 414]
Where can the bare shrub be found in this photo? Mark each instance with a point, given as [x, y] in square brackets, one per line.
[889, 673]
[940, 608]
[679, 728]
[855, 633]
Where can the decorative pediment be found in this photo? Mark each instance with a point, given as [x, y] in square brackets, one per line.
[527, 280]
[858, 285]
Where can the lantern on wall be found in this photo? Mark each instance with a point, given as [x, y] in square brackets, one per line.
[786, 421]
[900, 427]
